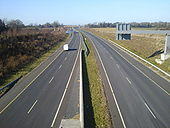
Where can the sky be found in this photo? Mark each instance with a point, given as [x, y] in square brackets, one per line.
[80, 12]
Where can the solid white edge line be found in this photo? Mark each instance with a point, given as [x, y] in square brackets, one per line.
[35, 77]
[123, 122]
[143, 73]
[150, 110]
[136, 67]
[141, 59]
[51, 79]
[65, 90]
[30, 83]
[32, 107]
[46, 59]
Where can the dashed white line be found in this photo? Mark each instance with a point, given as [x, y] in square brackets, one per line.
[32, 107]
[60, 66]
[56, 114]
[117, 65]
[30, 83]
[150, 110]
[128, 80]
[140, 70]
[65, 58]
[119, 69]
[117, 105]
[51, 79]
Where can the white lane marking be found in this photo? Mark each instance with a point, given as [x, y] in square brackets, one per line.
[140, 70]
[51, 79]
[60, 66]
[123, 122]
[56, 114]
[30, 82]
[127, 51]
[128, 80]
[119, 69]
[117, 65]
[32, 107]
[65, 58]
[150, 110]
[35, 77]
[68, 53]
[145, 75]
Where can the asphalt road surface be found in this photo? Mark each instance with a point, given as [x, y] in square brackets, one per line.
[40, 104]
[140, 96]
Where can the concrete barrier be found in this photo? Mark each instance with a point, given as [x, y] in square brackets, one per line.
[81, 93]
[85, 46]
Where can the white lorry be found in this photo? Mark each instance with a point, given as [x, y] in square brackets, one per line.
[65, 47]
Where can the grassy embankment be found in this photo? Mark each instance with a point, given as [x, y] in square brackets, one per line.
[142, 45]
[44, 50]
[96, 111]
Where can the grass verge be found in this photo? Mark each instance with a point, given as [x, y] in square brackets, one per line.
[30, 66]
[95, 109]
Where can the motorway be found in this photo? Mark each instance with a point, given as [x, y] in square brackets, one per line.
[137, 97]
[42, 103]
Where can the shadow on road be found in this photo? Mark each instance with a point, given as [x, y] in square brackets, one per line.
[89, 121]
[72, 49]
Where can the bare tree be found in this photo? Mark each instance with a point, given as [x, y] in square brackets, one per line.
[15, 24]
[2, 26]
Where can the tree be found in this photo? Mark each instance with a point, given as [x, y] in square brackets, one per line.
[47, 25]
[55, 24]
[2, 26]
[15, 24]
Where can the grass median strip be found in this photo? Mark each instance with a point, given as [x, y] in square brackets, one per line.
[95, 109]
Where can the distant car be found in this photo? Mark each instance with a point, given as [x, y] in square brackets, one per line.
[65, 47]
